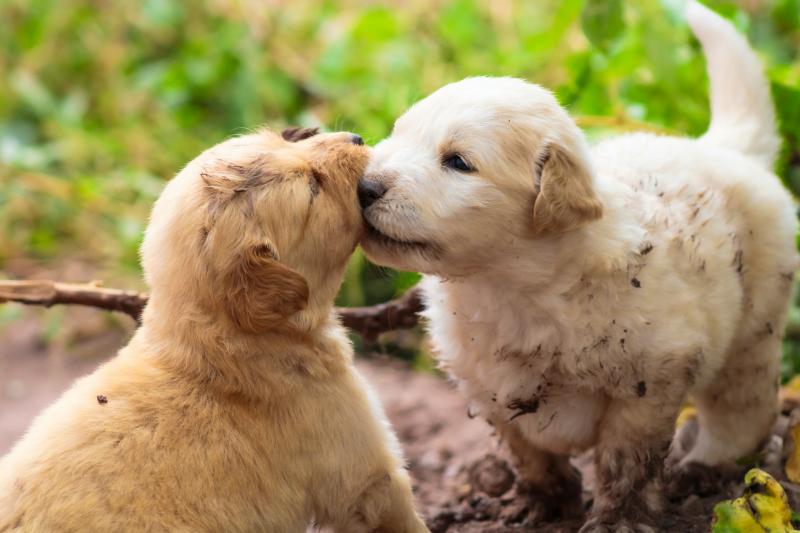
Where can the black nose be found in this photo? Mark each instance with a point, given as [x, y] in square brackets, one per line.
[356, 139]
[370, 192]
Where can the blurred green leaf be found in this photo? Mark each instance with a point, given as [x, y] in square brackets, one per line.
[102, 104]
[787, 105]
[461, 24]
[375, 25]
[602, 22]
[405, 280]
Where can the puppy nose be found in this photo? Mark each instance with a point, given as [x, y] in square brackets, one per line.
[370, 192]
[356, 139]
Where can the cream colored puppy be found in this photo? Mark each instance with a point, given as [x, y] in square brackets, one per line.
[236, 406]
[579, 295]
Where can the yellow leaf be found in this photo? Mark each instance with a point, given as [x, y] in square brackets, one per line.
[763, 508]
[792, 467]
[734, 517]
[793, 384]
[789, 394]
[688, 412]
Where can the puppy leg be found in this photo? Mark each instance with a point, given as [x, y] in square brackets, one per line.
[398, 514]
[629, 459]
[370, 491]
[736, 412]
[385, 506]
[552, 483]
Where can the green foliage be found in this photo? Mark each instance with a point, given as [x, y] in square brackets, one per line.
[102, 102]
[602, 22]
[787, 100]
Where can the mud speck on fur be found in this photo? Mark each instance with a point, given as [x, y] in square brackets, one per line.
[738, 261]
[203, 236]
[314, 186]
[523, 407]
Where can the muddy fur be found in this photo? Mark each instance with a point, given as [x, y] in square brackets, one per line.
[580, 295]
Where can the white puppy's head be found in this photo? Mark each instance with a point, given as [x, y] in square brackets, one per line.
[476, 167]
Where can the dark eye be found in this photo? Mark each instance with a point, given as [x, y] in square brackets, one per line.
[456, 162]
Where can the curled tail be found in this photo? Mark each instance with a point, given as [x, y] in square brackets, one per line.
[742, 116]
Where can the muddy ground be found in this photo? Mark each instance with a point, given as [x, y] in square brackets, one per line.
[462, 481]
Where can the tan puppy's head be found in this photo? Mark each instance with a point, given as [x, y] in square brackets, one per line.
[257, 229]
[475, 168]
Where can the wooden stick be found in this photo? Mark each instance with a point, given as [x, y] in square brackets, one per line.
[370, 322]
[47, 293]
[400, 313]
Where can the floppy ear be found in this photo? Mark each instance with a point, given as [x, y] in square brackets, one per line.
[296, 134]
[565, 197]
[260, 292]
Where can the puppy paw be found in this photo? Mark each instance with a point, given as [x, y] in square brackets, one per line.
[686, 479]
[491, 475]
[555, 501]
[608, 524]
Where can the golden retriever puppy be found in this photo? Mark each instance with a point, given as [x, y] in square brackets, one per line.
[235, 407]
[578, 295]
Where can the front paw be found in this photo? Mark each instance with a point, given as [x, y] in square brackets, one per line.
[609, 524]
[554, 501]
[686, 479]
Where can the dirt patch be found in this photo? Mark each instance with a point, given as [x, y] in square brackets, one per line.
[463, 481]
[35, 368]
[462, 478]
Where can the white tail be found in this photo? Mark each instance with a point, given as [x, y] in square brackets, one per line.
[742, 115]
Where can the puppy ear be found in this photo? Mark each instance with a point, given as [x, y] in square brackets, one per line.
[298, 134]
[262, 292]
[565, 198]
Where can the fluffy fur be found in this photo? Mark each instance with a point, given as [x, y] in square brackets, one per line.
[578, 295]
[236, 406]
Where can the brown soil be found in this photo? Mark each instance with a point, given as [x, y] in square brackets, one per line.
[463, 481]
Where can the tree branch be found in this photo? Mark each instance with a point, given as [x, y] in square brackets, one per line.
[370, 322]
[47, 293]
[400, 313]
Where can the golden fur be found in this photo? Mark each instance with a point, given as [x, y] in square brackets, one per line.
[235, 407]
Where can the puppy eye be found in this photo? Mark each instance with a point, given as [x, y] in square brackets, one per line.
[456, 162]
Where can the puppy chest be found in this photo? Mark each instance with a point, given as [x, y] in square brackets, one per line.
[552, 412]
[562, 424]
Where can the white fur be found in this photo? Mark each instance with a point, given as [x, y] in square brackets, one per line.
[742, 117]
[681, 286]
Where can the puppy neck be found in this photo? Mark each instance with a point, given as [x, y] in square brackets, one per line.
[208, 350]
